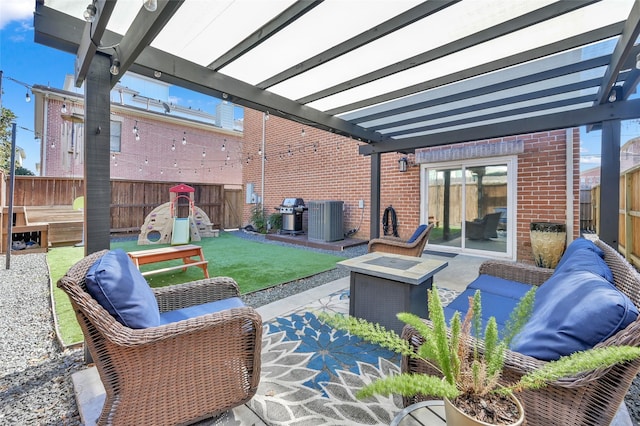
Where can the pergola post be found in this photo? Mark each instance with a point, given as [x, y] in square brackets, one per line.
[374, 213]
[609, 181]
[97, 135]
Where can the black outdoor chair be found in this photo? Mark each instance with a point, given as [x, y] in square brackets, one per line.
[483, 229]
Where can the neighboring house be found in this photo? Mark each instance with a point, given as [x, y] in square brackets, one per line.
[151, 138]
[590, 178]
[523, 177]
[629, 158]
[630, 154]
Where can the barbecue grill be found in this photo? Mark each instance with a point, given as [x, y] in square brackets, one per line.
[291, 210]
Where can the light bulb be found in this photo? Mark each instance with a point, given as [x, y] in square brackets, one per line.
[115, 67]
[137, 137]
[184, 139]
[150, 5]
[27, 97]
[223, 148]
[89, 13]
[173, 146]
[64, 108]
[204, 154]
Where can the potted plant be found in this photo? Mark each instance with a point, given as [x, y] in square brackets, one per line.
[471, 368]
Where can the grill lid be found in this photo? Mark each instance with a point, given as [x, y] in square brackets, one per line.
[293, 202]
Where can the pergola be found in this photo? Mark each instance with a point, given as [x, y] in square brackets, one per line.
[394, 75]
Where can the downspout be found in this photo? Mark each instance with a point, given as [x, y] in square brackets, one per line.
[264, 131]
[569, 192]
[44, 143]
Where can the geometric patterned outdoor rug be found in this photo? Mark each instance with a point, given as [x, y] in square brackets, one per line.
[311, 372]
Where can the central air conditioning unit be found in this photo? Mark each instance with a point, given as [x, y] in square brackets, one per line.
[326, 220]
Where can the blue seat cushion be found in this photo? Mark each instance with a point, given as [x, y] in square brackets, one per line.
[417, 233]
[198, 310]
[119, 287]
[573, 311]
[498, 297]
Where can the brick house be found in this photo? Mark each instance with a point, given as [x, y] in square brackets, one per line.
[151, 138]
[305, 162]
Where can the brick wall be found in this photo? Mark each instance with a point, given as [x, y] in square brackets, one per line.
[317, 165]
[151, 157]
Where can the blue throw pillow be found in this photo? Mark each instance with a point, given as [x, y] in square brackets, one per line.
[416, 234]
[585, 259]
[573, 311]
[119, 287]
[579, 244]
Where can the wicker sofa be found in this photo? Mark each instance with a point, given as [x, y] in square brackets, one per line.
[591, 398]
[180, 372]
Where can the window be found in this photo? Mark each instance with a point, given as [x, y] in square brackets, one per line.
[116, 131]
[471, 204]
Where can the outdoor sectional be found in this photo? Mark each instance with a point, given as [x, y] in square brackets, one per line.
[590, 299]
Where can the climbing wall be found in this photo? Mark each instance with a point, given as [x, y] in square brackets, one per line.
[157, 226]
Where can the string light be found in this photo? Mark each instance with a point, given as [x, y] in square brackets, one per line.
[184, 138]
[64, 106]
[204, 153]
[173, 145]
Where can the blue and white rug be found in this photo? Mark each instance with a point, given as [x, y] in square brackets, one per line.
[311, 372]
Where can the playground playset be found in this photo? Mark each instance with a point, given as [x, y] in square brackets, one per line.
[163, 226]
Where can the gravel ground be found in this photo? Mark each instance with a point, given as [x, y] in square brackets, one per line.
[35, 385]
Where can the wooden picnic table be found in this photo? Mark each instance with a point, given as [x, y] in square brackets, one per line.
[185, 252]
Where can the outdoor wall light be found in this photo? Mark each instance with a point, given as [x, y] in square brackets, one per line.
[150, 5]
[90, 13]
[402, 164]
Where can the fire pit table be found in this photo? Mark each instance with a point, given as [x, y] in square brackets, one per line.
[383, 284]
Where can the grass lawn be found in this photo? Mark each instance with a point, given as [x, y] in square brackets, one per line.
[254, 266]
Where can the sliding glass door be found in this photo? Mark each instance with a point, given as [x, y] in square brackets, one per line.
[471, 205]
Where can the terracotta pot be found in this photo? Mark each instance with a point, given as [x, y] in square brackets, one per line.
[455, 417]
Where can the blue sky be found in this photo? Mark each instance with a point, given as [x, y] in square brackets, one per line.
[24, 60]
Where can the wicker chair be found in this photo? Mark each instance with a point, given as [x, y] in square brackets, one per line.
[176, 373]
[588, 399]
[398, 246]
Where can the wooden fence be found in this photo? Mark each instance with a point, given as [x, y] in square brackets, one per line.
[629, 222]
[131, 200]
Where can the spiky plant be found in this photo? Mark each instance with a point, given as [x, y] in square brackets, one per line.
[468, 365]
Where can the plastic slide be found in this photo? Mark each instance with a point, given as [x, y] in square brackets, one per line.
[180, 232]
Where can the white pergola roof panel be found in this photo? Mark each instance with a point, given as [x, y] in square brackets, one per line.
[380, 70]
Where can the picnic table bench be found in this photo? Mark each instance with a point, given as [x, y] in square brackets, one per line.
[185, 252]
